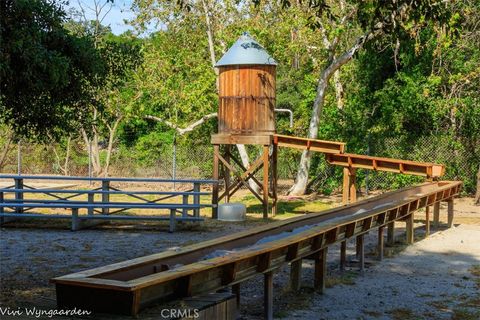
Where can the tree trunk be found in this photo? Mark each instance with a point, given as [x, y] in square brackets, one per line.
[300, 186]
[477, 195]
[6, 148]
[111, 139]
[338, 89]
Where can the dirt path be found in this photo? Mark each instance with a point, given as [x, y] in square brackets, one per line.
[436, 278]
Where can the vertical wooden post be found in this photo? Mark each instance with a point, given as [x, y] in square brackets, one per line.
[227, 173]
[268, 295]
[19, 194]
[346, 186]
[295, 274]
[274, 179]
[352, 186]
[427, 221]
[105, 195]
[236, 292]
[380, 243]
[216, 150]
[185, 202]
[173, 221]
[436, 215]
[343, 255]
[75, 220]
[196, 199]
[391, 233]
[361, 252]
[320, 270]
[265, 180]
[409, 229]
[450, 212]
[91, 200]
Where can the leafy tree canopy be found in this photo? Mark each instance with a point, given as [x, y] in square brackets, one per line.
[47, 74]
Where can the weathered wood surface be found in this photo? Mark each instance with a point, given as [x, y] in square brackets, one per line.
[198, 276]
[246, 99]
[425, 169]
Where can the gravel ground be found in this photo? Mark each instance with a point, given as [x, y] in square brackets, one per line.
[431, 279]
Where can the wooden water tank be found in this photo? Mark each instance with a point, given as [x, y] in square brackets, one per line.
[246, 90]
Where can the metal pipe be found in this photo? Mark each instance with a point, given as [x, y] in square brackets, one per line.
[289, 112]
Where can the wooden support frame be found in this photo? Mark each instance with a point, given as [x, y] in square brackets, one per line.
[320, 260]
[231, 165]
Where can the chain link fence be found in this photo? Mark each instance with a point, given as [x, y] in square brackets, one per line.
[196, 161]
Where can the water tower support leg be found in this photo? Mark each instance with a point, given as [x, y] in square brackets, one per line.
[266, 161]
[274, 179]
[216, 150]
[227, 174]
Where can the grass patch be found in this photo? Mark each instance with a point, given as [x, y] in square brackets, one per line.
[402, 314]
[348, 278]
[475, 271]
[466, 314]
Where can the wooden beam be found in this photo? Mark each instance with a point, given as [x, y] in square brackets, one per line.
[266, 150]
[268, 295]
[320, 259]
[380, 243]
[343, 255]
[295, 274]
[361, 252]
[216, 151]
[346, 187]
[227, 174]
[409, 229]
[236, 292]
[436, 215]
[274, 179]
[386, 164]
[427, 221]
[450, 212]
[391, 233]
[328, 147]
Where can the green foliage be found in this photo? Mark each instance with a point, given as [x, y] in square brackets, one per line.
[46, 73]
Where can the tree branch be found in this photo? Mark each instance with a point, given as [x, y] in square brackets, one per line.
[189, 128]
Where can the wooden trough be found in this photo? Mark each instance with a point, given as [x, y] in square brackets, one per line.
[128, 287]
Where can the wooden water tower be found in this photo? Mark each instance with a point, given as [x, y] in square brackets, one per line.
[246, 116]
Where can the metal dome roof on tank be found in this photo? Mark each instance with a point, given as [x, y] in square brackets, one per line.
[246, 51]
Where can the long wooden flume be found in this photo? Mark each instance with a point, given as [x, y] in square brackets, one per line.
[128, 287]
